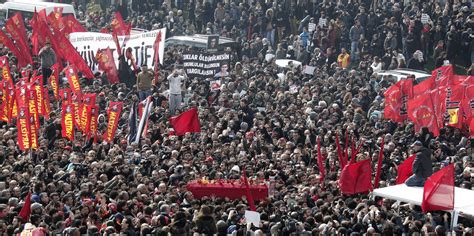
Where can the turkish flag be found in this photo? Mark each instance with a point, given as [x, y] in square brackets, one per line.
[356, 178]
[438, 192]
[405, 170]
[185, 122]
[422, 113]
[443, 75]
[25, 211]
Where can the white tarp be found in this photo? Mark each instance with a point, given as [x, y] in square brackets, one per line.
[463, 198]
[87, 44]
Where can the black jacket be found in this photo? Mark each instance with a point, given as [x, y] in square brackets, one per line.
[423, 166]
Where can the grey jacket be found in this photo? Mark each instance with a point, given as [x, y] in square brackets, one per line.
[48, 57]
[423, 166]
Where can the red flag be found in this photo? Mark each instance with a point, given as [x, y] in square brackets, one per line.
[46, 103]
[379, 164]
[356, 178]
[450, 98]
[92, 122]
[107, 64]
[6, 70]
[16, 28]
[438, 192]
[119, 26]
[467, 106]
[424, 87]
[26, 208]
[66, 95]
[88, 100]
[339, 153]
[5, 40]
[4, 102]
[396, 98]
[33, 115]
[71, 25]
[346, 148]
[443, 75]
[322, 168]
[421, 112]
[156, 48]
[73, 57]
[73, 79]
[248, 194]
[54, 80]
[405, 169]
[115, 108]
[117, 44]
[67, 121]
[187, 121]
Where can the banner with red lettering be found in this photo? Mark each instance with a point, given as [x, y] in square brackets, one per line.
[113, 112]
[67, 122]
[107, 64]
[421, 112]
[16, 28]
[23, 125]
[73, 80]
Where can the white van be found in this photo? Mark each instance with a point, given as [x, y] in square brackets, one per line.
[27, 8]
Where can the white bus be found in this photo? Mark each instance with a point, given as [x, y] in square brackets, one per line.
[27, 8]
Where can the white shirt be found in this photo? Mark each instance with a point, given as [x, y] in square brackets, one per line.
[175, 84]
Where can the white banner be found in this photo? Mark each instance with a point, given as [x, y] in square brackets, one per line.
[141, 46]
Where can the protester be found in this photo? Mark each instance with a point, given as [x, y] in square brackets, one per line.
[48, 59]
[265, 119]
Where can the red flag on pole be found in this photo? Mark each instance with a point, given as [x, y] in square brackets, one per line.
[356, 178]
[421, 112]
[16, 28]
[248, 194]
[156, 48]
[187, 121]
[119, 26]
[379, 164]
[5, 40]
[438, 192]
[107, 64]
[405, 170]
[443, 75]
[424, 87]
[73, 79]
[115, 108]
[71, 25]
[25, 211]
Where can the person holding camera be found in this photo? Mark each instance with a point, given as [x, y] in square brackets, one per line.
[176, 79]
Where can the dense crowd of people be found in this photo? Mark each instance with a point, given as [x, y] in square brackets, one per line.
[265, 120]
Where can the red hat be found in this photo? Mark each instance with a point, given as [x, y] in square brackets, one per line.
[69, 148]
[209, 159]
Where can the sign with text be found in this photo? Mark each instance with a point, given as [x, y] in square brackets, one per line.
[206, 65]
[139, 46]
